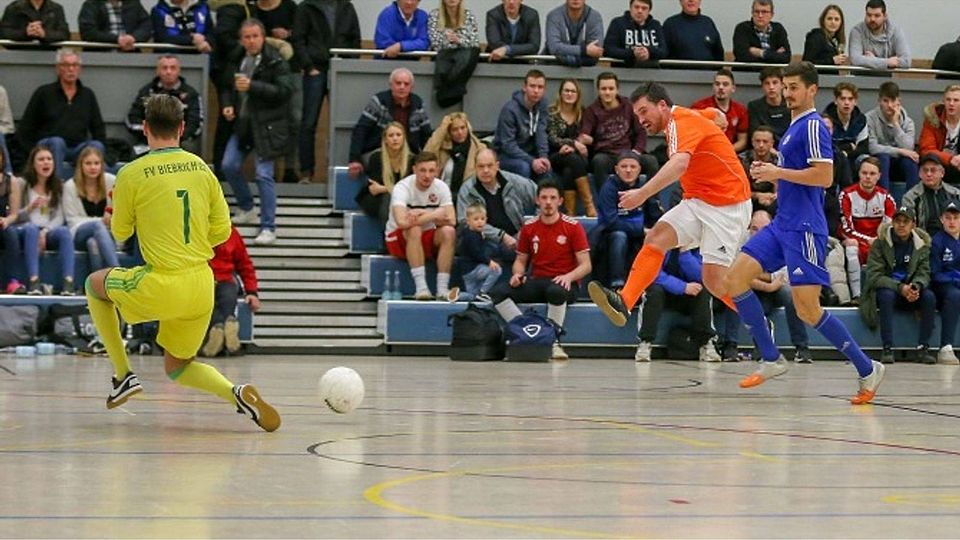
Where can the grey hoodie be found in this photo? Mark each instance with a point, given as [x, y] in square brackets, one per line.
[559, 42]
[889, 43]
[886, 138]
[522, 132]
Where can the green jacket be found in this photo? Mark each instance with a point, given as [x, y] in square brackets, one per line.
[880, 263]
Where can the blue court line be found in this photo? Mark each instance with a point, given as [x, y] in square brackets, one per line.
[808, 515]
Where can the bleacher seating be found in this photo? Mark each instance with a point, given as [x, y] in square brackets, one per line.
[343, 189]
[363, 234]
[50, 272]
[409, 322]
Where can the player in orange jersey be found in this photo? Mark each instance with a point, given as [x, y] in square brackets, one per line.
[714, 213]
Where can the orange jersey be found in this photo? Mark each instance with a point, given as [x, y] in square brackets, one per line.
[714, 174]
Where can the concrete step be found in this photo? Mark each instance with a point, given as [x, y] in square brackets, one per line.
[334, 279]
[314, 321]
[272, 252]
[328, 252]
[313, 333]
[311, 266]
[278, 307]
[251, 231]
[328, 262]
[298, 243]
[310, 296]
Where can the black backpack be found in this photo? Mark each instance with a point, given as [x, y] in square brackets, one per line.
[476, 335]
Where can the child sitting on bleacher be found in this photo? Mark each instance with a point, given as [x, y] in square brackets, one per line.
[230, 259]
[476, 252]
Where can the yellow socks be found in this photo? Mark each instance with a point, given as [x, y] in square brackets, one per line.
[105, 318]
[204, 377]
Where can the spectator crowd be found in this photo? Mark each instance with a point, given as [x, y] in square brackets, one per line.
[510, 200]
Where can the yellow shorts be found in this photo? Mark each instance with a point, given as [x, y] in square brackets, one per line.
[181, 301]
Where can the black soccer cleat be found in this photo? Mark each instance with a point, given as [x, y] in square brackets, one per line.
[609, 302]
[123, 390]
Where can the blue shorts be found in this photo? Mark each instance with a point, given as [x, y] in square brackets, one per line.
[803, 253]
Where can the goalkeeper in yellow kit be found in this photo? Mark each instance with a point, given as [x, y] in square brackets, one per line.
[174, 203]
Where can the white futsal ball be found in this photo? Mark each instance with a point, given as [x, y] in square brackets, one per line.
[341, 388]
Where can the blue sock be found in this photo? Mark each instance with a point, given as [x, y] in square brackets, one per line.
[837, 334]
[751, 313]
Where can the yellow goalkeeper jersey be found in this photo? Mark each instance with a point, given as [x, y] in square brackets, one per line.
[174, 203]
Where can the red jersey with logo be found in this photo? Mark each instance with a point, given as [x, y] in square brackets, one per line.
[738, 119]
[552, 248]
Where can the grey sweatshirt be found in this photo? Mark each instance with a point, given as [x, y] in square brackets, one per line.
[890, 42]
[886, 138]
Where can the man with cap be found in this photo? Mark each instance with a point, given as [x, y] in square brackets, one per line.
[945, 279]
[928, 198]
[898, 277]
[619, 230]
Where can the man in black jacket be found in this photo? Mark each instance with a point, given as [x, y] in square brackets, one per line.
[760, 39]
[636, 37]
[320, 26]
[259, 105]
[23, 20]
[124, 22]
[63, 115]
[513, 29]
[168, 81]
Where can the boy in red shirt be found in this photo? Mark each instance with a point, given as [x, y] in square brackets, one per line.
[230, 258]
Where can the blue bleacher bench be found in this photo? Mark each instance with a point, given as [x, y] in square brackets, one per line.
[345, 189]
[409, 322]
[363, 234]
[50, 272]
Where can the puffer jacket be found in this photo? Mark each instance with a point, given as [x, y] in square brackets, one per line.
[271, 86]
[933, 135]
[880, 263]
[836, 262]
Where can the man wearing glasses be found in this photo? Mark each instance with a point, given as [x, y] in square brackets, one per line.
[760, 39]
[64, 115]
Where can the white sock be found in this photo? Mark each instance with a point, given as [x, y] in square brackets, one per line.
[508, 310]
[557, 314]
[853, 269]
[420, 279]
[443, 283]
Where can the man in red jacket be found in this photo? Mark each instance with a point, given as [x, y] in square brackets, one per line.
[941, 132]
[230, 259]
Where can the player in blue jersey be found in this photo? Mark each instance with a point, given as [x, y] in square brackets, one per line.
[797, 238]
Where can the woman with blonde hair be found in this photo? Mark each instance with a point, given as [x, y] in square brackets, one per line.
[456, 148]
[388, 165]
[87, 208]
[826, 45]
[568, 156]
[452, 26]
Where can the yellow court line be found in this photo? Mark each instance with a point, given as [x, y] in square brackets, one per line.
[374, 494]
[658, 433]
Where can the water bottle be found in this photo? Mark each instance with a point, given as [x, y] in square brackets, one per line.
[387, 293]
[397, 290]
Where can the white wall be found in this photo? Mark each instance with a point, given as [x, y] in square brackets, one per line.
[927, 23]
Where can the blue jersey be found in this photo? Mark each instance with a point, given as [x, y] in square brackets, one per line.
[799, 207]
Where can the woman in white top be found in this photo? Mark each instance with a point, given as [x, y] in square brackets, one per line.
[86, 203]
[37, 205]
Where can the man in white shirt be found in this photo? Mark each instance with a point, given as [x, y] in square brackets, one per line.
[421, 225]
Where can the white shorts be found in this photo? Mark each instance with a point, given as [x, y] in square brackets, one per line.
[719, 231]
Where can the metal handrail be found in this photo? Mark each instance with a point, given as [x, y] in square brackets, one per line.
[96, 45]
[662, 63]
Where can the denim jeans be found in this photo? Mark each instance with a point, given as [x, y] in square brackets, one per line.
[783, 297]
[948, 298]
[94, 237]
[909, 170]
[618, 246]
[314, 92]
[12, 252]
[7, 166]
[888, 300]
[479, 280]
[224, 301]
[58, 238]
[233, 158]
[64, 156]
